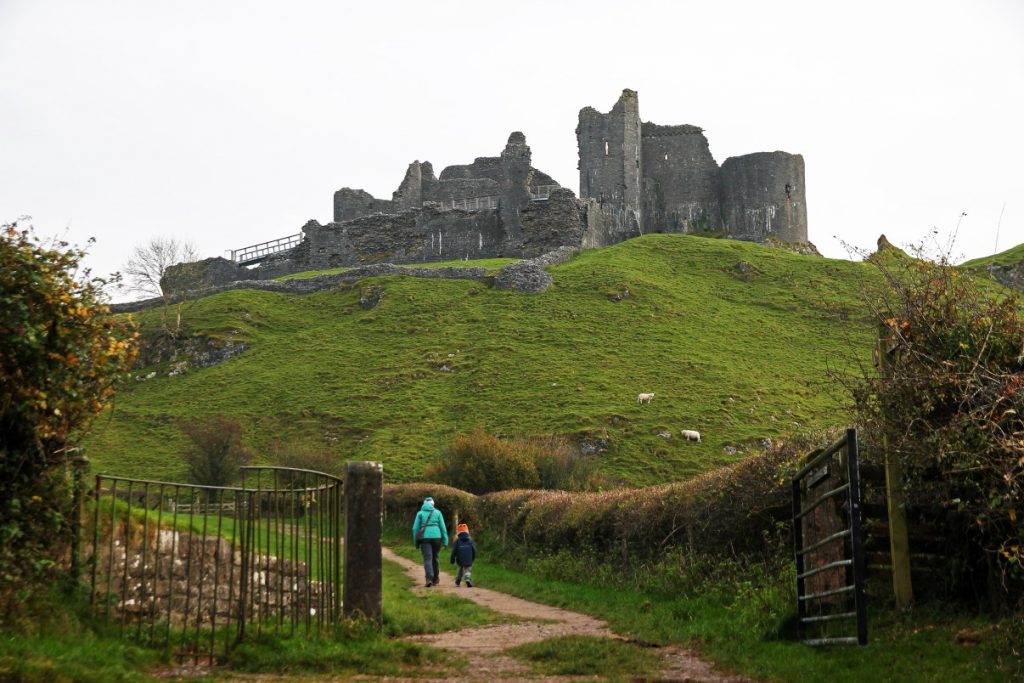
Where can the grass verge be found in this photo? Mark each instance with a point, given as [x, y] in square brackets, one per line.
[587, 656]
[742, 618]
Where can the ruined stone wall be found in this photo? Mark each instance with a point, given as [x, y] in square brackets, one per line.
[561, 220]
[680, 182]
[464, 188]
[187, 585]
[350, 203]
[409, 194]
[610, 158]
[482, 167]
[419, 236]
[763, 196]
[515, 189]
[206, 273]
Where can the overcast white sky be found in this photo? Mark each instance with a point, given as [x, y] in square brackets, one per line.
[229, 123]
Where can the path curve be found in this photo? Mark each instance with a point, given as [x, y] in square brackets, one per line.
[483, 644]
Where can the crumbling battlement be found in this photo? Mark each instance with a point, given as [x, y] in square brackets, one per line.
[506, 180]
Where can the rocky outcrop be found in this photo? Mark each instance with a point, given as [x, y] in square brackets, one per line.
[529, 275]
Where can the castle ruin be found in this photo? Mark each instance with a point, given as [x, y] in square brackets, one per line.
[635, 178]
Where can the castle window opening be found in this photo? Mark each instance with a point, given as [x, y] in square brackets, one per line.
[606, 148]
[666, 157]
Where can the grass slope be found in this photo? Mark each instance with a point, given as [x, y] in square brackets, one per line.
[1010, 257]
[738, 357]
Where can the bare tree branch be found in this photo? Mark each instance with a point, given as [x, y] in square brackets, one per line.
[148, 263]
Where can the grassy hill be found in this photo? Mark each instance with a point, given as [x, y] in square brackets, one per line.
[739, 354]
[1011, 257]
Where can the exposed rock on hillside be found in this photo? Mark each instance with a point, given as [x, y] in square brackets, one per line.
[528, 276]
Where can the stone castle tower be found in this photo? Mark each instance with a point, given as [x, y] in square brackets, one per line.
[652, 178]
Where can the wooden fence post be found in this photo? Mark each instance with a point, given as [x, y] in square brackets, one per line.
[899, 541]
[364, 513]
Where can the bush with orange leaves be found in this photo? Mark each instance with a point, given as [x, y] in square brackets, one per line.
[949, 407]
[61, 354]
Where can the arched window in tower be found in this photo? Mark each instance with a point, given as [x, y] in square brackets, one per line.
[606, 148]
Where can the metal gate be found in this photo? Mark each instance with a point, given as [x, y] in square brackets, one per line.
[828, 545]
[194, 568]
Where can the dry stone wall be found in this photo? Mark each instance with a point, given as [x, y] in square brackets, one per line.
[187, 577]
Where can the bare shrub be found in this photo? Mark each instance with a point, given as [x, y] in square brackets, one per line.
[481, 463]
[305, 456]
[216, 451]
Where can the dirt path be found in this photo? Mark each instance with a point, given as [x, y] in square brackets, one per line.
[484, 645]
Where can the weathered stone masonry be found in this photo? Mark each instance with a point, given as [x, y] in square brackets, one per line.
[635, 177]
[664, 179]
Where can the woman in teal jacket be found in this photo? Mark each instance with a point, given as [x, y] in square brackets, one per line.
[430, 535]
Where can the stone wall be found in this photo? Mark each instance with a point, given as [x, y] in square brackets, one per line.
[417, 236]
[206, 273]
[681, 192]
[508, 175]
[610, 159]
[181, 580]
[350, 204]
[763, 196]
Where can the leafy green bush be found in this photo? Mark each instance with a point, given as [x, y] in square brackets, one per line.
[60, 356]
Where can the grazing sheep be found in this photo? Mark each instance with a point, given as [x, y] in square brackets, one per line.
[690, 435]
[644, 398]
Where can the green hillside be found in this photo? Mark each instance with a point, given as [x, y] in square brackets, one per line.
[739, 354]
[1010, 257]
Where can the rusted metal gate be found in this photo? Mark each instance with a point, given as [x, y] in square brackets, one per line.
[828, 545]
[195, 568]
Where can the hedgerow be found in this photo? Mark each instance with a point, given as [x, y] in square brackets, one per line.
[730, 511]
[948, 407]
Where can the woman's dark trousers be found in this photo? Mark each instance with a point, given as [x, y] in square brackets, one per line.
[431, 548]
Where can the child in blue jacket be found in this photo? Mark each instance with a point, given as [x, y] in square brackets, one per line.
[463, 554]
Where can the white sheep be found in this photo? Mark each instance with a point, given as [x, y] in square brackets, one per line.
[690, 435]
[644, 398]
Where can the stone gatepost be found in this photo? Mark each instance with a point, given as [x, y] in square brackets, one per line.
[364, 512]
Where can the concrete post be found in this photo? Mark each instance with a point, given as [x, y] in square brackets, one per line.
[364, 511]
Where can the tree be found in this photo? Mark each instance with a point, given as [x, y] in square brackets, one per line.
[146, 269]
[61, 354]
[216, 452]
[149, 262]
